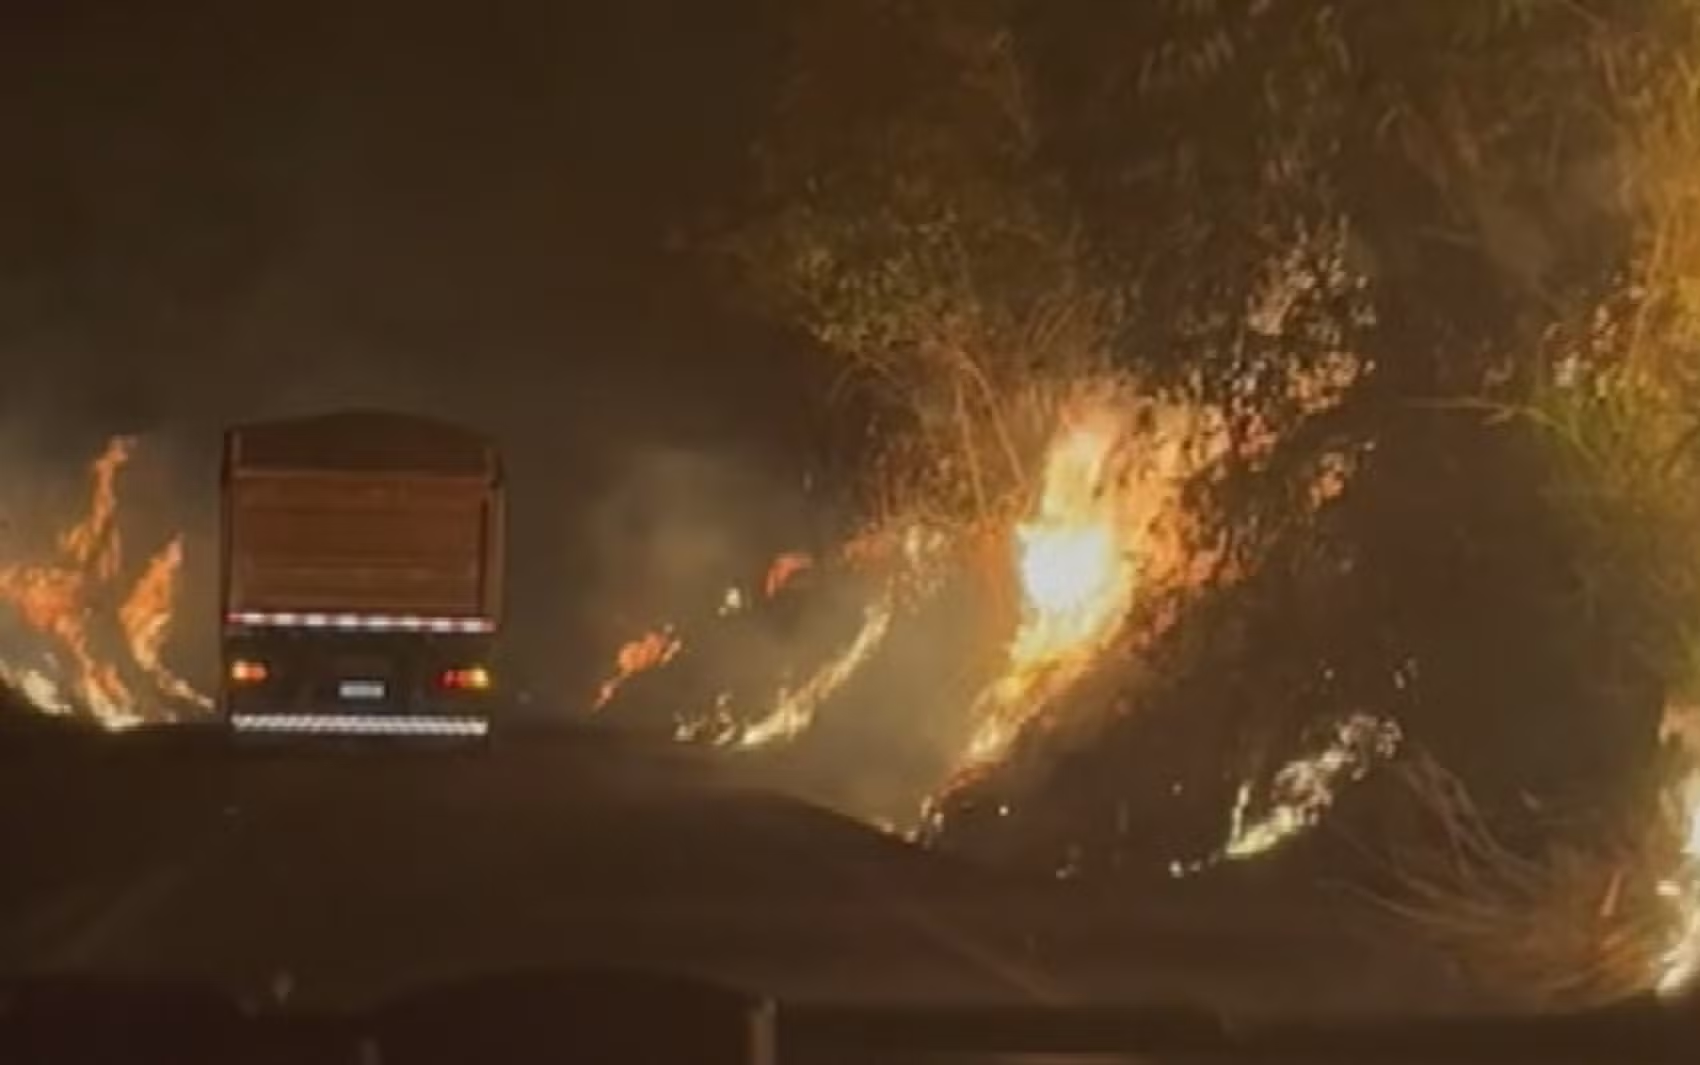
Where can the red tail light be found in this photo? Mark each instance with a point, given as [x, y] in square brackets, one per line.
[470, 678]
[248, 671]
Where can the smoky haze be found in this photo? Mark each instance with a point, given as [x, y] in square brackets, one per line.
[214, 213]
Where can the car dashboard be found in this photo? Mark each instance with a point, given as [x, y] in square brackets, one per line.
[640, 1018]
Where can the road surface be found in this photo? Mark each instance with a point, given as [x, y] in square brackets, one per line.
[338, 877]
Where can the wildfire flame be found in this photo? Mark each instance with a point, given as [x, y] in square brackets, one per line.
[783, 570]
[1101, 527]
[649, 651]
[61, 599]
[657, 648]
[38, 689]
[1097, 530]
[1679, 965]
[1305, 788]
[145, 618]
[732, 602]
[794, 711]
[94, 541]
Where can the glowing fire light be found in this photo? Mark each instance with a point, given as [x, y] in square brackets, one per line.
[40, 690]
[1063, 569]
[783, 570]
[649, 651]
[794, 711]
[657, 648]
[1305, 788]
[145, 617]
[1110, 479]
[1679, 965]
[61, 599]
[94, 540]
[732, 602]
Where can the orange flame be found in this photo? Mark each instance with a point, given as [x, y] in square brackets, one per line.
[649, 651]
[60, 600]
[794, 710]
[146, 615]
[657, 648]
[786, 568]
[1101, 531]
[52, 601]
[95, 539]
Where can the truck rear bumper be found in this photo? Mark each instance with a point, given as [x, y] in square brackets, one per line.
[339, 722]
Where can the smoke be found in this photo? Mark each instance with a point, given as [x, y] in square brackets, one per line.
[733, 615]
[676, 525]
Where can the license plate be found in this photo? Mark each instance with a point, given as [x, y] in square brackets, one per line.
[360, 689]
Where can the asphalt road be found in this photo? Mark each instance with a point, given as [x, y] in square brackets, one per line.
[339, 877]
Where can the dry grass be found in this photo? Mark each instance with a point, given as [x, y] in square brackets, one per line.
[1580, 922]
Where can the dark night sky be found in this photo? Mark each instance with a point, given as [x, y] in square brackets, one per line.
[212, 212]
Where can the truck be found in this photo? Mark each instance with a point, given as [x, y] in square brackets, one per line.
[361, 577]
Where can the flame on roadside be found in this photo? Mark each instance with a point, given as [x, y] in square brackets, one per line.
[61, 599]
[1589, 919]
[1304, 789]
[92, 545]
[783, 570]
[38, 688]
[659, 647]
[145, 618]
[1102, 524]
[1094, 559]
[1680, 963]
[1678, 966]
[650, 651]
[795, 708]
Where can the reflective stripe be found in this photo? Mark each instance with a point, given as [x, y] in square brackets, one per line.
[287, 619]
[361, 724]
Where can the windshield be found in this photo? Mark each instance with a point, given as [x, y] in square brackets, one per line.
[911, 501]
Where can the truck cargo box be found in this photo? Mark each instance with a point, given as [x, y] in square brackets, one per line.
[362, 514]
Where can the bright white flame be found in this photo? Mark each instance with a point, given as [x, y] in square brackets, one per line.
[731, 602]
[794, 711]
[38, 688]
[1063, 569]
[1679, 965]
[1100, 530]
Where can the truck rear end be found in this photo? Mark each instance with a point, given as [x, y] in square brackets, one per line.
[362, 577]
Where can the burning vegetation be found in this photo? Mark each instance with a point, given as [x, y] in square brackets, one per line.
[1597, 913]
[1221, 364]
[1095, 556]
[84, 636]
[1182, 492]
